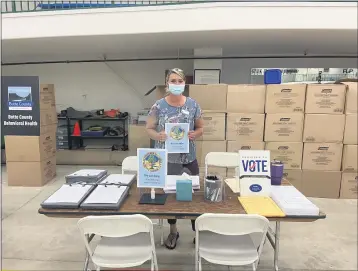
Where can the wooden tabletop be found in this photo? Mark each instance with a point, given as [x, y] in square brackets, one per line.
[173, 208]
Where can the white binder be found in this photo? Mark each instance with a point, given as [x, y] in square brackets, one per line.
[68, 196]
[122, 179]
[86, 176]
[106, 196]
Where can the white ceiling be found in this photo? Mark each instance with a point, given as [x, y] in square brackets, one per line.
[237, 43]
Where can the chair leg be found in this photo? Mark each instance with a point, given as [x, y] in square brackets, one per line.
[155, 262]
[98, 268]
[152, 264]
[254, 266]
[199, 263]
[196, 262]
[161, 232]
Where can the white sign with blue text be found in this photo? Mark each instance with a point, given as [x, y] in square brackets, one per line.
[152, 168]
[177, 140]
[255, 173]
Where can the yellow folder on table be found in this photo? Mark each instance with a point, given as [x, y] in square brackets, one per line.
[264, 206]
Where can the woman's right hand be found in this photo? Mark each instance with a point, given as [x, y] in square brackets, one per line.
[162, 136]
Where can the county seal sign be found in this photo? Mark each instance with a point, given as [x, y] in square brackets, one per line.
[152, 161]
[152, 167]
[177, 133]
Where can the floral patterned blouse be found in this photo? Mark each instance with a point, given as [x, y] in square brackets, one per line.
[165, 113]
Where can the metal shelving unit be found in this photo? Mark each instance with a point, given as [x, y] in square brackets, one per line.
[66, 139]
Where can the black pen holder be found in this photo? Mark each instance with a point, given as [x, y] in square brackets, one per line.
[214, 188]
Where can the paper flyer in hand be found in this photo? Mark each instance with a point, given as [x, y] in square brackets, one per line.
[177, 137]
[152, 168]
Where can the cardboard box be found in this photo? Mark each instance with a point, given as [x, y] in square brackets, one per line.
[290, 153]
[30, 148]
[137, 138]
[319, 128]
[350, 158]
[48, 116]
[235, 146]
[350, 131]
[294, 176]
[246, 98]
[321, 184]
[351, 97]
[41, 172]
[289, 98]
[245, 126]
[218, 171]
[47, 96]
[204, 147]
[284, 127]
[210, 97]
[322, 156]
[349, 185]
[214, 126]
[325, 98]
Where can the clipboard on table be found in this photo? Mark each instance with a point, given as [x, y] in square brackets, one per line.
[106, 197]
[120, 179]
[86, 176]
[68, 196]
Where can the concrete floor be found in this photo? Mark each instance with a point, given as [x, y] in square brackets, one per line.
[31, 241]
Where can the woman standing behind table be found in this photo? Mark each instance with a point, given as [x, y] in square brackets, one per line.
[176, 108]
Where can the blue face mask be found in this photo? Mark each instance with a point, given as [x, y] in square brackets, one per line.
[176, 89]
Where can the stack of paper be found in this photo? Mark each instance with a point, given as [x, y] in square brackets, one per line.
[292, 202]
[264, 206]
[123, 179]
[86, 176]
[171, 182]
[234, 184]
[68, 196]
[106, 197]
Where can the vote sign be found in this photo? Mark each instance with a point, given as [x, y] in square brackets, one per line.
[255, 173]
[254, 163]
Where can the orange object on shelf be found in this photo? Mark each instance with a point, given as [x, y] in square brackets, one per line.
[76, 130]
[113, 113]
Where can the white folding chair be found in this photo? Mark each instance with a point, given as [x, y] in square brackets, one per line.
[130, 163]
[230, 239]
[127, 241]
[221, 159]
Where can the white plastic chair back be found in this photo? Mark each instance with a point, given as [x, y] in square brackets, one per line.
[116, 227]
[130, 163]
[222, 159]
[255, 226]
[232, 224]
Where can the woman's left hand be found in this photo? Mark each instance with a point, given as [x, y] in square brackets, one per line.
[191, 135]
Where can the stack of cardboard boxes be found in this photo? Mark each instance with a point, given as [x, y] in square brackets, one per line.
[305, 126]
[212, 100]
[245, 118]
[349, 182]
[31, 160]
[323, 138]
[284, 125]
